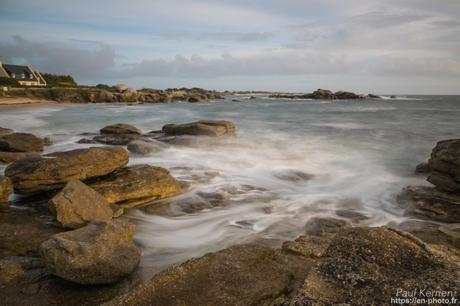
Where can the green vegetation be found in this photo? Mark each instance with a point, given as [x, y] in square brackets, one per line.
[106, 87]
[54, 80]
[5, 81]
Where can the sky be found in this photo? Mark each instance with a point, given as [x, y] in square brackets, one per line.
[366, 46]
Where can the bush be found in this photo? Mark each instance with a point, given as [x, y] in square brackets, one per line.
[59, 80]
[5, 81]
[106, 87]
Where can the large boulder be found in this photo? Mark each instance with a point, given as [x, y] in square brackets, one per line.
[120, 87]
[444, 164]
[6, 188]
[78, 204]
[116, 139]
[99, 253]
[430, 203]
[5, 131]
[369, 266]
[9, 157]
[36, 174]
[214, 128]
[346, 95]
[120, 128]
[135, 185]
[21, 142]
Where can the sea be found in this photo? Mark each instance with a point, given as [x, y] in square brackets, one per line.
[291, 161]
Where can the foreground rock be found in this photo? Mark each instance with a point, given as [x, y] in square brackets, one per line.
[6, 188]
[120, 128]
[38, 174]
[429, 203]
[21, 142]
[99, 253]
[9, 157]
[335, 265]
[214, 128]
[137, 185]
[444, 164]
[78, 204]
[366, 266]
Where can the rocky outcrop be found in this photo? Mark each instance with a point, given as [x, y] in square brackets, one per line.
[444, 164]
[116, 139]
[99, 253]
[36, 174]
[5, 131]
[145, 147]
[321, 94]
[137, 185]
[346, 95]
[9, 157]
[6, 188]
[78, 204]
[430, 203]
[422, 168]
[334, 265]
[120, 128]
[21, 142]
[213, 128]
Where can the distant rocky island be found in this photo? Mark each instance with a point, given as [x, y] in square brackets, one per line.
[325, 94]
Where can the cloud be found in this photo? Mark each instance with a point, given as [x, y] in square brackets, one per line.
[62, 58]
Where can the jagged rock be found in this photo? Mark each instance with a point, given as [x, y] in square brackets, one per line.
[422, 168]
[120, 128]
[21, 142]
[432, 204]
[144, 147]
[214, 128]
[445, 165]
[5, 131]
[6, 188]
[9, 157]
[100, 253]
[135, 185]
[116, 139]
[366, 266]
[78, 204]
[35, 174]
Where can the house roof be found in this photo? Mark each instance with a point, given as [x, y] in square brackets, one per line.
[19, 71]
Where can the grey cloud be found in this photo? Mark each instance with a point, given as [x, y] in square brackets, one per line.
[216, 36]
[64, 59]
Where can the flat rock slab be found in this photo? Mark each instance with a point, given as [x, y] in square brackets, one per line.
[21, 142]
[121, 128]
[214, 128]
[99, 253]
[78, 204]
[136, 185]
[53, 171]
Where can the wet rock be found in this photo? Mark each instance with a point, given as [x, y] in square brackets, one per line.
[445, 165]
[322, 94]
[352, 215]
[372, 96]
[239, 275]
[6, 188]
[325, 226]
[308, 246]
[137, 185]
[294, 176]
[422, 168]
[9, 157]
[5, 131]
[10, 269]
[48, 141]
[86, 141]
[120, 128]
[99, 253]
[177, 206]
[191, 141]
[346, 95]
[144, 147]
[430, 203]
[21, 142]
[214, 128]
[366, 266]
[36, 174]
[116, 139]
[78, 204]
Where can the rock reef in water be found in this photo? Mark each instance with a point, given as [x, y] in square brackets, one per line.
[324, 94]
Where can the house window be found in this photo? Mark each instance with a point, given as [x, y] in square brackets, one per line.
[31, 76]
[23, 75]
[13, 75]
